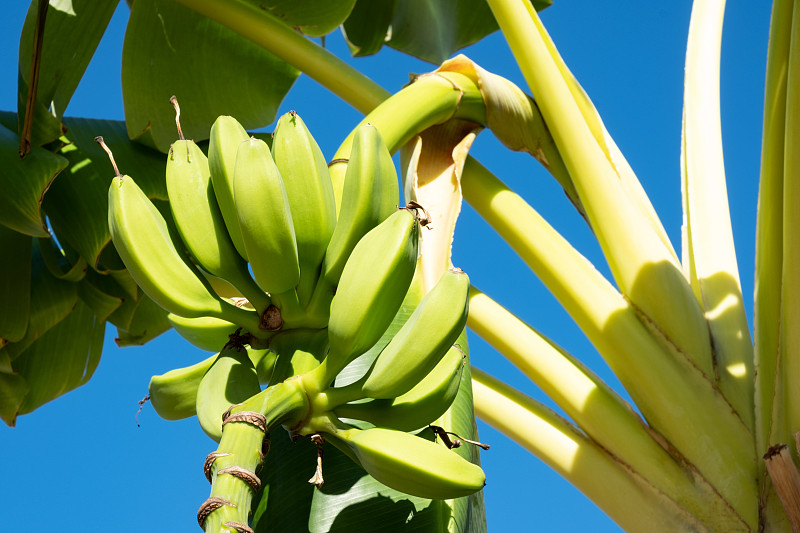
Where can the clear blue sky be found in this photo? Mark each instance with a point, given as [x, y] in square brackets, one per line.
[81, 463]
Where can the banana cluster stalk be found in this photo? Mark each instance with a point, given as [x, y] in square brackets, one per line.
[261, 268]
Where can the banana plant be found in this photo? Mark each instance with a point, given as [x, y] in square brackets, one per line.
[705, 440]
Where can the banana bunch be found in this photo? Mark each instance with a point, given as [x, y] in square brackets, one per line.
[255, 262]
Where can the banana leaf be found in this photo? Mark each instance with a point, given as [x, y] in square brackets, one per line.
[72, 31]
[116, 298]
[171, 50]
[148, 322]
[24, 182]
[13, 389]
[15, 284]
[52, 299]
[62, 359]
[103, 304]
[427, 29]
[62, 261]
[314, 18]
[368, 26]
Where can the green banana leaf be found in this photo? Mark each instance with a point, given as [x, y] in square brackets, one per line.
[13, 389]
[350, 499]
[52, 299]
[102, 290]
[103, 304]
[15, 284]
[62, 359]
[23, 182]
[171, 50]
[72, 32]
[431, 30]
[62, 261]
[368, 26]
[314, 18]
[116, 298]
[148, 322]
[61, 345]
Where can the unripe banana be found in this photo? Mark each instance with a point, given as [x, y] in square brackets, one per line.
[200, 223]
[422, 405]
[299, 351]
[310, 193]
[264, 360]
[231, 379]
[423, 340]
[226, 136]
[411, 464]
[226, 291]
[372, 287]
[141, 237]
[174, 394]
[207, 333]
[265, 218]
[370, 195]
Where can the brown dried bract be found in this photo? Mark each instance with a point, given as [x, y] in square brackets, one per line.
[249, 417]
[249, 477]
[425, 219]
[317, 478]
[271, 319]
[458, 441]
[238, 526]
[141, 405]
[237, 340]
[209, 506]
[209, 462]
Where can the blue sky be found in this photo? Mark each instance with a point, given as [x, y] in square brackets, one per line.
[81, 463]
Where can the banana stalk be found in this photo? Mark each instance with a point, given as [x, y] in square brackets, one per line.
[232, 469]
[769, 229]
[643, 266]
[431, 99]
[709, 255]
[605, 417]
[789, 340]
[627, 498]
[652, 375]
[776, 366]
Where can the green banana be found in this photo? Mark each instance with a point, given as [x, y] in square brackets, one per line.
[265, 218]
[372, 287]
[207, 333]
[422, 405]
[226, 136]
[423, 340]
[299, 351]
[174, 394]
[310, 193]
[200, 223]
[231, 379]
[226, 291]
[410, 464]
[141, 237]
[369, 196]
[264, 360]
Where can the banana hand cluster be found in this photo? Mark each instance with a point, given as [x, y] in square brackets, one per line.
[252, 261]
